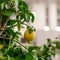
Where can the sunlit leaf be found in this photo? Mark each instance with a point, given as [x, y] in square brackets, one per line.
[29, 57]
[27, 17]
[32, 17]
[8, 12]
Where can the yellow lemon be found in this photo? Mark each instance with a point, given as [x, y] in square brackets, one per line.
[1, 46]
[29, 36]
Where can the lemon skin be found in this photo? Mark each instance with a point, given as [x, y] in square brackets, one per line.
[29, 36]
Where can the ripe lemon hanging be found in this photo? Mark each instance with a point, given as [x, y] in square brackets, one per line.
[29, 36]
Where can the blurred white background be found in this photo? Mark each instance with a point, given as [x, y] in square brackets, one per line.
[47, 20]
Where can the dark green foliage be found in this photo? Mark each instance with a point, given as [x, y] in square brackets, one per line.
[57, 44]
[10, 51]
[22, 13]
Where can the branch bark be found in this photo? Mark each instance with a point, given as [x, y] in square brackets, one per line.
[4, 25]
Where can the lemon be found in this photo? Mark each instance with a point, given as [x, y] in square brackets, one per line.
[29, 36]
[1, 46]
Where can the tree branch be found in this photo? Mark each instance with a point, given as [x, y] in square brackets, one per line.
[4, 25]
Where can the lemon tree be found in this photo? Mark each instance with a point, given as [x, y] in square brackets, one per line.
[22, 14]
[8, 36]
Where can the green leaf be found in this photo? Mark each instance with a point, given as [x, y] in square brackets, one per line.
[20, 58]
[32, 17]
[33, 48]
[11, 22]
[2, 1]
[18, 33]
[18, 26]
[25, 6]
[29, 57]
[2, 6]
[8, 57]
[30, 30]
[22, 6]
[27, 17]
[11, 52]
[16, 37]
[19, 54]
[17, 51]
[8, 12]
[22, 16]
[58, 44]
[19, 0]
[10, 31]
[11, 58]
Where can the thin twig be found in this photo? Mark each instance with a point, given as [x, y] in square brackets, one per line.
[20, 44]
[25, 24]
[12, 26]
[7, 33]
[4, 38]
[16, 25]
